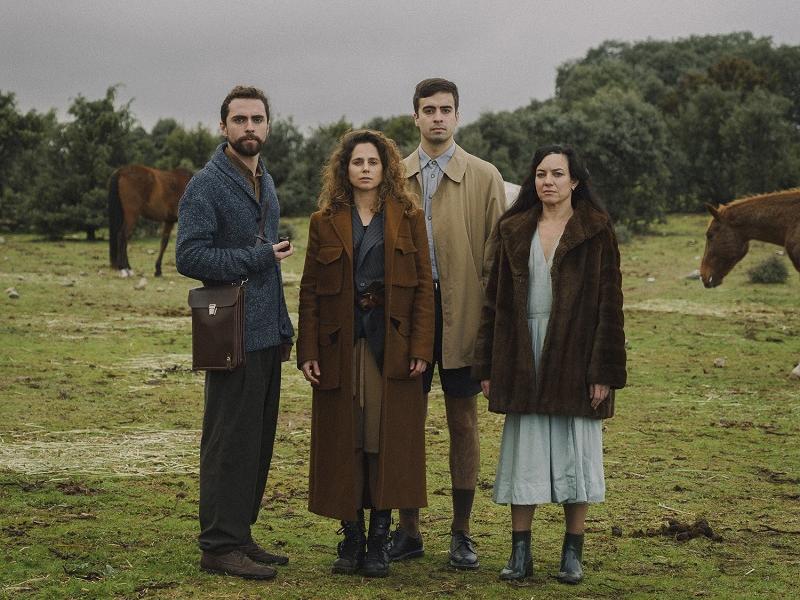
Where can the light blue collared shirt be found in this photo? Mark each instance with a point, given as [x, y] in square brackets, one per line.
[432, 171]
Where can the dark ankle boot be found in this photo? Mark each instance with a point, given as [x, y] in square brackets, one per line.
[350, 551]
[376, 562]
[571, 570]
[520, 565]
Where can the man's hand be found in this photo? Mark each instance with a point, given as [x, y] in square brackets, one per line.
[417, 367]
[311, 371]
[282, 250]
[485, 384]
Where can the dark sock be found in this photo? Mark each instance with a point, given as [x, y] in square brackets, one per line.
[462, 509]
[521, 536]
[409, 520]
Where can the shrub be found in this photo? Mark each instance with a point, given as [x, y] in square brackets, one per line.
[623, 234]
[771, 270]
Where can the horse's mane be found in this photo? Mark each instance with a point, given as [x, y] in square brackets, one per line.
[790, 194]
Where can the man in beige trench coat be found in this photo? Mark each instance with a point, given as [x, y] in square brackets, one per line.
[463, 196]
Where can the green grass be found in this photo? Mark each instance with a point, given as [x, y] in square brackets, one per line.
[100, 418]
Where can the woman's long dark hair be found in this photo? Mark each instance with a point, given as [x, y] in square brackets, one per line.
[583, 192]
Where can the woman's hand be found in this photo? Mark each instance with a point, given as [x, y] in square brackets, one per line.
[598, 393]
[417, 367]
[485, 387]
[311, 372]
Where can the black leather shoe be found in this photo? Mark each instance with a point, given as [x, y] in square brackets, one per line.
[403, 546]
[520, 565]
[571, 570]
[376, 562]
[462, 551]
[258, 554]
[237, 564]
[350, 551]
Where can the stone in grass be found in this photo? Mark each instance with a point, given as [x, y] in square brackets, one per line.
[142, 284]
[651, 279]
[719, 362]
[12, 293]
[693, 275]
[795, 374]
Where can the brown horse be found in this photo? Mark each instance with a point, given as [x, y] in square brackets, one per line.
[773, 218]
[137, 191]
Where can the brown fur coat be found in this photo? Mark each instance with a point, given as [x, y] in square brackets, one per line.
[585, 342]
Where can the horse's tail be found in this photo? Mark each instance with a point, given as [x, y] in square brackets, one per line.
[115, 218]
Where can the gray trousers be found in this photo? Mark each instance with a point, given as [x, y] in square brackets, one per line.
[241, 413]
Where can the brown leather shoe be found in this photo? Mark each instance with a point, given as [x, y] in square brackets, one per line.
[235, 563]
[258, 554]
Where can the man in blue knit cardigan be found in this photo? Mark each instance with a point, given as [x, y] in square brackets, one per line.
[218, 227]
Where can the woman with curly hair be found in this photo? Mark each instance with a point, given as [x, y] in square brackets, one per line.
[365, 337]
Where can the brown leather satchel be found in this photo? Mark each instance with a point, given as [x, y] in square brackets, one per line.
[217, 327]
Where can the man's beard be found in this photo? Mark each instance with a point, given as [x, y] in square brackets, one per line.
[249, 150]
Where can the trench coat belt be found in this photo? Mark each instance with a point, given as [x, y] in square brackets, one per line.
[369, 300]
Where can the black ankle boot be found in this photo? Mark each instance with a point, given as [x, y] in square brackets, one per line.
[571, 570]
[520, 565]
[376, 562]
[350, 551]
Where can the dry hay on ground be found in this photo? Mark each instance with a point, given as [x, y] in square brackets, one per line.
[124, 452]
[684, 307]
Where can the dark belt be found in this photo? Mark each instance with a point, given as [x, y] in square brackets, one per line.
[369, 300]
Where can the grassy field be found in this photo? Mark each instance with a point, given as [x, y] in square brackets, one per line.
[100, 417]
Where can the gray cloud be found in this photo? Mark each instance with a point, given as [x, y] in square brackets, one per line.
[320, 60]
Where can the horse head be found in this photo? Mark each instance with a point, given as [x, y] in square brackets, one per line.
[725, 246]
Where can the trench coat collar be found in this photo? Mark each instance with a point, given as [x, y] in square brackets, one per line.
[518, 230]
[392, 217]
[342, 222]
[455, 170]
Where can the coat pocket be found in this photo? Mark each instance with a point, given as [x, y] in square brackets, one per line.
[396, 358]
[330, 342]
[405, 263]
[329, 270]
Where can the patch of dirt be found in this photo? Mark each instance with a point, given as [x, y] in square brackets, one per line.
[681, 532]
[72, 488]
[776, 476]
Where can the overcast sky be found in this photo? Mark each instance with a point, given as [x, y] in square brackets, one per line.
[320, 60]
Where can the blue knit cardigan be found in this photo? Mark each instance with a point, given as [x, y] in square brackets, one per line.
[217, 227]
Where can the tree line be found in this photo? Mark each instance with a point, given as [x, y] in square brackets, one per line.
[663, 126]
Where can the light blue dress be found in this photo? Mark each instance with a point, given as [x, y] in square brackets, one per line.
[548, 458]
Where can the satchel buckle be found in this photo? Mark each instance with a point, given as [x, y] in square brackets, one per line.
[212, 309]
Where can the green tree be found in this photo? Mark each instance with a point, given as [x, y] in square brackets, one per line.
[282, 150]
[72, 186]
[300, 191]
[23, 139]
[400, 128]
[189, 149]
[761, 145]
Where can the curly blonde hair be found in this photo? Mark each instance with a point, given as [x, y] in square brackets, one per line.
[337, 191]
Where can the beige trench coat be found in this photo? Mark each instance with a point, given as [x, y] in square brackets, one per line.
[466, 205]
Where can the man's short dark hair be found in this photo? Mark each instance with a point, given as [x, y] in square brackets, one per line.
[243, 91]
[428, 87]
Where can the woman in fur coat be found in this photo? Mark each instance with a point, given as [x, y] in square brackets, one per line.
[551, 351]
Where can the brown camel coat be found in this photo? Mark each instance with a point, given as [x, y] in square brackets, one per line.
[585, 342]
[326, 335]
